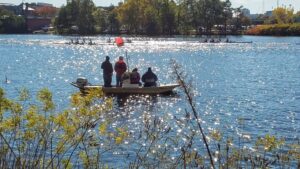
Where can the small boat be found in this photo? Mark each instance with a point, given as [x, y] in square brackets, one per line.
[228, 42]
[238, 42]
[162, 89]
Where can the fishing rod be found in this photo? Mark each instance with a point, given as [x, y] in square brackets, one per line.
[127, 60]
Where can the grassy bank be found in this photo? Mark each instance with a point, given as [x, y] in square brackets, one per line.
[276, 30]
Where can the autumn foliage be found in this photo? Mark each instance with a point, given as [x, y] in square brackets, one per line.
[46, 11]
[277, 30]
[283, 15]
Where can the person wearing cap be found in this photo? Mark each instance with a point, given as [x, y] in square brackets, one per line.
[107, 72]
[135, 77]
[120, 68]
[149, 78]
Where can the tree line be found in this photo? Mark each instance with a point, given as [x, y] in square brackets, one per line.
[11, 23]
[283, 22]
[148, 17]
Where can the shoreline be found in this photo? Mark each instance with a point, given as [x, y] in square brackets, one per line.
[174, 35]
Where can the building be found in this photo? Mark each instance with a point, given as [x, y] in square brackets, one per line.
[39, 15]
[16, 9]
[246, 12]
[268, 13]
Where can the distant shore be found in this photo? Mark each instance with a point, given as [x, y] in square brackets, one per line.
[258, 30]
[264, 30]
[275, 30]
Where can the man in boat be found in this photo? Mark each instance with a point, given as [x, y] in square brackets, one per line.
[126, 80]
[120, 68]
[149, 78]
[107, 72]
[135, 77]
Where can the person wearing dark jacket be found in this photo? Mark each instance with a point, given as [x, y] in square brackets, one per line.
[120, 68]
[149, 78]
[107, 72]
[135, 77]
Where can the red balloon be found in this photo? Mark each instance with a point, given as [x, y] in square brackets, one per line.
[119, 41]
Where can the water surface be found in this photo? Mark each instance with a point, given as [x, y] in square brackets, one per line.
[239, 88]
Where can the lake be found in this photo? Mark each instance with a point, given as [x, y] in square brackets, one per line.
[244, 89]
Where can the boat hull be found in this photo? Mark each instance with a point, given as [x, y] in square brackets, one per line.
[163, 89]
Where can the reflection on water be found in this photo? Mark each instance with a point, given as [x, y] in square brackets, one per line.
[245, 89]
[123, 101]
[126, 100]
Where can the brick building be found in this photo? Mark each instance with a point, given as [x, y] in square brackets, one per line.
[37, 15]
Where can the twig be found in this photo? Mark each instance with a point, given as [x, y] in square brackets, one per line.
[187, 91]
[8, 145]
[127, 59]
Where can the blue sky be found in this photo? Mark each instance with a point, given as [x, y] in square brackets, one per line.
[255, 6]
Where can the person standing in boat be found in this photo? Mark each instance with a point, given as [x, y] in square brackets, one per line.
[149, 78]
[135, 77]
[120, 68]
[107, 72]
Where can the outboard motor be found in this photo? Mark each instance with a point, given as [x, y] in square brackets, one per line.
[81, 82]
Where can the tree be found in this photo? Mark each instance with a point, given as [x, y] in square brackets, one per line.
[128, 15]
[283, 15]
[100, 19]
[167, 16]
[180, 14]
[11, 23]
[67, 17]
[151, 24]
[227, 13]
[85, 20]
[113, 24]
[297, 17]
[77, 13]
[238, 20]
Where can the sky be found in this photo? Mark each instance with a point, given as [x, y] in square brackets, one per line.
[255, 6]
